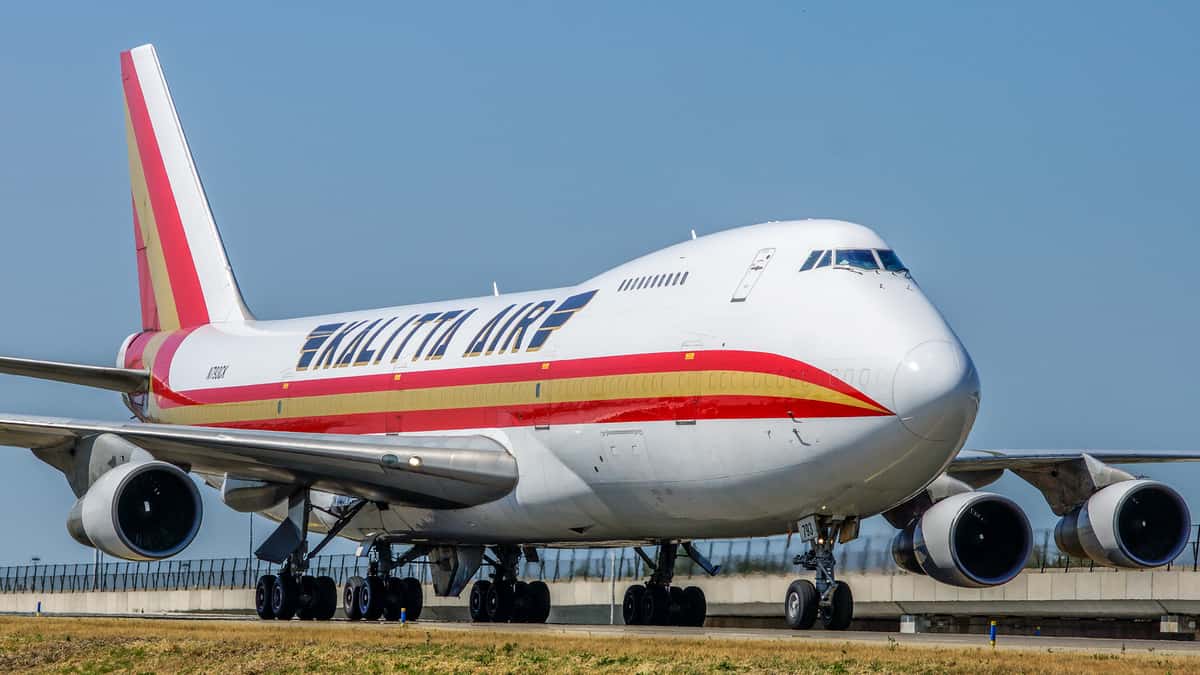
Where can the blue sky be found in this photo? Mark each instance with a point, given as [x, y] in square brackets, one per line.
[1035, 165]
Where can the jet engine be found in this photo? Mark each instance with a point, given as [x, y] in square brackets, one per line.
[971, 539]
[138, 511]
[1133, 523]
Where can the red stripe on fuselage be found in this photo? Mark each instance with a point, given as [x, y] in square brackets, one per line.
[185, 283]
[744, 361]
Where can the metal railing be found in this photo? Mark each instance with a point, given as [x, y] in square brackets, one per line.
[769, 555]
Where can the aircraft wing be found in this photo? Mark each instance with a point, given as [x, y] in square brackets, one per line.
[992, 460]
[426, 471]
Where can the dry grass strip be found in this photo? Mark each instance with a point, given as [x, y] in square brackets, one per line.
[74, 645]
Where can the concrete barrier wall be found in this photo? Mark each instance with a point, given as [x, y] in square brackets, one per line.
[1099, 593]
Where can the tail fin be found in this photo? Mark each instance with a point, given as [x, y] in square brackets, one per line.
[184, 277]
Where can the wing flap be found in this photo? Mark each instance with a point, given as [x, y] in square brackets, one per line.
[427, 471]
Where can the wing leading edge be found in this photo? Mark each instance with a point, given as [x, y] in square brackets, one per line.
[993, 460]
[426, 471]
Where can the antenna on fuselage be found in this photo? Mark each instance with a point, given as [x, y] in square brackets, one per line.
[693, 234]
[495, 289]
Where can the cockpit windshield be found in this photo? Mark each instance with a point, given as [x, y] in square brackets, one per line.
[891, 261]
[855, 258]
[862, 258]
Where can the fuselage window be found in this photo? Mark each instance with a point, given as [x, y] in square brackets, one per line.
[812, 261]
[683, 279]
[862, 258]
[891, 261]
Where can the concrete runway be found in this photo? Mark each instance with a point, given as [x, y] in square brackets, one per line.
[1013, 642]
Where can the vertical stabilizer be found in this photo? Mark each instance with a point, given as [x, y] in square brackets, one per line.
[184, 276]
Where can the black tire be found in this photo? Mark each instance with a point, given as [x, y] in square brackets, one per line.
[677, 610]
[631, 606]
[372, 598]
[539, 594]
[306, 601]
[800, 605]
[393, 599]
[697, 606]
[840, 612]
[499, 603]
[262, 597]
[478, 601]
[656, 606]
[414, 595]
[350, 595]
[284, 596]
[327, 598]
[520, 611]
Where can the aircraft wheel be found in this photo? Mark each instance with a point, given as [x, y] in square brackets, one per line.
[306, 601]
[350, 595]
[327, 598]
[677, 609]
[840, 611]
[631, 607]
[520, 611]
[262, 596]
[414, 595]
[394, 598]
[800, 604]
[372, 597]
[499, 603]
[478, 602]
[539, 595]
[697, 606]
[656, 606]
[284, 597]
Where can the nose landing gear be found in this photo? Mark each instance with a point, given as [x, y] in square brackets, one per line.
[658, 603]
[828, 599]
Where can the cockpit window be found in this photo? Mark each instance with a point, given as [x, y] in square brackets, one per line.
[861, 258]
[891, 261]
[812, 261]
[824, 261]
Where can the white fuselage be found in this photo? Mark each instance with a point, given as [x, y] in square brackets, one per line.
[697, 449]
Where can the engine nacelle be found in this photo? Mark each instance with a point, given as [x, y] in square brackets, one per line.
[971, 539]
[1133, 523]
[138, 511]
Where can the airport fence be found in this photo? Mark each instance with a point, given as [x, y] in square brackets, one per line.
[768, 555]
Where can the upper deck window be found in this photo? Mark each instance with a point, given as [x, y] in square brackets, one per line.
[862, 258]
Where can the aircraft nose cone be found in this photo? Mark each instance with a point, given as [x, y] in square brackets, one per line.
[936, 391]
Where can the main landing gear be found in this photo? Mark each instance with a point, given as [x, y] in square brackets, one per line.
[828, 599]
[293, 593]
[506, 599]
[658, 603]
[380, 595]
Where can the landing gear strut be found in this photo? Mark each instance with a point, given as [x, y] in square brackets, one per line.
[828, 599]
[658, 603]
[506, 599]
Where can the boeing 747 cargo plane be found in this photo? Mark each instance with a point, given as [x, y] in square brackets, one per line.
[788, 377]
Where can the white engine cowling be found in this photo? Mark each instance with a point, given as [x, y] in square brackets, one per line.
[971, 539]
[1134, 523]
[138, 511]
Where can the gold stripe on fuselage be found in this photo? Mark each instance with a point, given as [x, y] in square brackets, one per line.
[512, 394]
